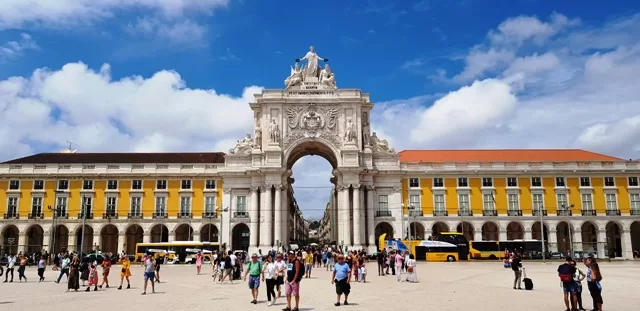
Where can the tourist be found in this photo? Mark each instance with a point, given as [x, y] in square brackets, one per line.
[341, 277]
[228, 265]
[125, 271]
[74, 274]
[381, 257]
[93, 278]
[106, 267]
[270, 276]
[398, 264]
[198, 262]
[42, 264]
[362, 274]
[149, 273]
[64, 268]
[159, 262]
[308, 264]
[577, 278]
[329, 264]
[254, 269]
[21, 267]
[412, 276]
[84, 271]
[281, 268]
[566, 272]
[516, 266]
[292, 284]
[11, 262]
[593, 282]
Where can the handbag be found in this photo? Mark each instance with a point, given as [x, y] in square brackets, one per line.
[410, 268]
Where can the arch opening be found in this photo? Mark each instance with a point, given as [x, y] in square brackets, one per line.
[383, 228]
[589, 237]
[60, 239]
[439, 227]
[564, 234]
[535, 231]
[416, 230]
[209, 233]
[84, 245]
[135, 235]
[614, 240]
[490, 232]
[10, 235]
[159, 234]
[635, 238]
[35, 239]
[109, 239]
[240, 237]
[515, 231]
[184, 232]
[311, 147]
[467, 229]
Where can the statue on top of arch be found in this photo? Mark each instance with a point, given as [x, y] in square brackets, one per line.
[311, 71]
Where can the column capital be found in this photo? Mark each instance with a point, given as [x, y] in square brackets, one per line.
[356, 186]
[226, 190]
[397, 189]
[255, 188]
[370, 187]
[341, 187]
[278, 187]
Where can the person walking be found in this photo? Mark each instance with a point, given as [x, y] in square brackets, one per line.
[64, 268]
[254, 269]
[74, 274]
[149, 273]
[106, 267]
[125, 271]
[295, 271]
[593, 283]
[270, 276]
[42, 264]
[21, 268]
[159, 262]
[198, 262]
[341, 277]
[11, 263]
[281, 268]
[93, 278]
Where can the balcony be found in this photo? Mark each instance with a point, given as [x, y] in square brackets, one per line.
[240, 215]
[209, 215]
[185, 215]
[37, 215]
[110, 215]
[89, 216]
[440, 213]
[536, 212]
[136, 215]
[587, 212]
[490, 213]
[11, 216]
[564, 213]
[465, 213]
[59, 215]
[613, 212]
[514, 213]
[416, 214]
[635, 212]
[159, 216]
[383, 213]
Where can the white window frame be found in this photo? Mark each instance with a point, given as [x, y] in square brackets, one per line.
[464, 206]
[564, 181]
[33, 205]
[87, 201]
[417, 204]
[580, 182]
[608, 202]
[189, 181]
[537, 205]
[541, 182]
[439, 206]
[241, 205]
[510, 207]
[58, 184]
[91, 182]
[65, 207]
[19, 184]
[604, 182]
[189, 200]
[133, 181]
[107, 205]
[488, 205]
[210, 207]
[17, 205]
[165, 182]
[44, 185]
[157, 208]
[109, 184]
[433, 183]
[565, 201]
[206, 184]
[131, 207]
[637, 185]
[586, 207]
[466, 179]
[506, 179]
[414, 187]
[634, 201]
[383, 205]
[487, 187]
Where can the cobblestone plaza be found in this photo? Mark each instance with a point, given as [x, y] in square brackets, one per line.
[442, 287]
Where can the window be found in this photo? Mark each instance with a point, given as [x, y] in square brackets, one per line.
[463, 182]
[61, 207]
[463, 202]
[612, 204]
[14, 185]
[609, 182]
[383, 203]
[487, 182]
[185, 184]
[136, 206]
[185, 205]
[438, 182]
[12, 207]
[414, 201]
[560, 182]
[585, 182]
[161, 184]
[136, 184]
[161, 206]
[112, 203]
[562, 200]
[86, 203]
[488, 202]
[414, 183]
[586, 202]
[210, 184]
[63, 185]
[633, 181]
[536, 182]
[209, 204]
[512, 182]
[438, 201]
[38, 184]
[112, 184]
[537, 202]
[635, 201]
[36, 206]
[514, 205]
[241, 204]
[87, 185]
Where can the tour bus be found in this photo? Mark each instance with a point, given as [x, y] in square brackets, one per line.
[455, 238]
[179, 249]
[528, 249]
[485, 250]
[429, 250]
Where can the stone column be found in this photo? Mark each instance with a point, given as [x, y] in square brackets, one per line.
[528, 234]
[357, 229]
[122, 241]
[503, 235]
[266, 222]
[577, 241]
[284, 214]
[627, 246]
[553, 241]
[277, 222]
[146, 237]
[477, 235]
[253, 215]
[225, 220]
[345, 222]
[97, 242]
[196, 236]
[602, 244]
[363, 216]
[46, 240]
[22, 243]
[71, 242]
[371, 237]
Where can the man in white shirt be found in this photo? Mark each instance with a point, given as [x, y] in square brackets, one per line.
[10, 264]
[64, 268]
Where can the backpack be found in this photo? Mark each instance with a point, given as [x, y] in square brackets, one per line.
[227, 262]
[565, 273]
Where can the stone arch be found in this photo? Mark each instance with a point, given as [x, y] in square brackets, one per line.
[184, 232]
[85, 245]
[60, 236]
[635, 238]
[35, 239]
[383, 228]
[109, 239]
[615, 243]
[134, 235]
[467, 229]
[311, 146]
[439, 227]
[515, 231]
[564, 234]
[240, 237]
[535, 231]
[209, 233]
[10, 236]
[589, 237]
[159, 233]
[490, 231]
[417, 231]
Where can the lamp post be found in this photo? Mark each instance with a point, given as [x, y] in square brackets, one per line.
[401, 221]
[83, 213]
[411, 207]
[544, 254]
[568, 210]
[53, 231]
[222, 211]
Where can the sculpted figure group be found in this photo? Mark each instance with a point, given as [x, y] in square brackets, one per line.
[311, 69]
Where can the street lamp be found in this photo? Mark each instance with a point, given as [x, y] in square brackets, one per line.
[56, 211]
[544, 254]
[411, 207]
[226, 209]
[570, 234]
[83, 212]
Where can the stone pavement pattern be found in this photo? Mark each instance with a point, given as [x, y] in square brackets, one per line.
[442, 287]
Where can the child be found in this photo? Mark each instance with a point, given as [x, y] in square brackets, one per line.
[84, 272]
[362, 274]
[93, 278]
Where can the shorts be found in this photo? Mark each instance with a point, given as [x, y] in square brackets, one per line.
[342, 287]
[569, 287]
[157, 268]
[254, 282]
[307, 268]
[292, 289]
[280, 280]
[227, 271]
[149, 276]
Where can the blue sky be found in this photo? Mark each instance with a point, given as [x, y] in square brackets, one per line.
[110, 75]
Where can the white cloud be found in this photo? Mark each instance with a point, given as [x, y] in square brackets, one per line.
[13, 49]
[182, 31]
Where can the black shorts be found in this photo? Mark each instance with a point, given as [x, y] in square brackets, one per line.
[280, 280]
[342, 287]
[157, 268]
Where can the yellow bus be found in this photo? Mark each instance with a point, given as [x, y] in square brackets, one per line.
[485, 250]
[177, 251]
[429, 250]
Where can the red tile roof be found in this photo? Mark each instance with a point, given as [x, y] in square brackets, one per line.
[506, 155]
[69, 158]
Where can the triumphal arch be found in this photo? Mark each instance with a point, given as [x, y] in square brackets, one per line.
[311, 115]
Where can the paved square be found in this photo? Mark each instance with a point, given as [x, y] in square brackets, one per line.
[442, 287]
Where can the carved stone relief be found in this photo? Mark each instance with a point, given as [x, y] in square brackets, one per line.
[312, 121]
[380, 146]
[243, 146]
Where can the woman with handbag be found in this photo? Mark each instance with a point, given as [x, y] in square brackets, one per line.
[411, 269]
[125, 272]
